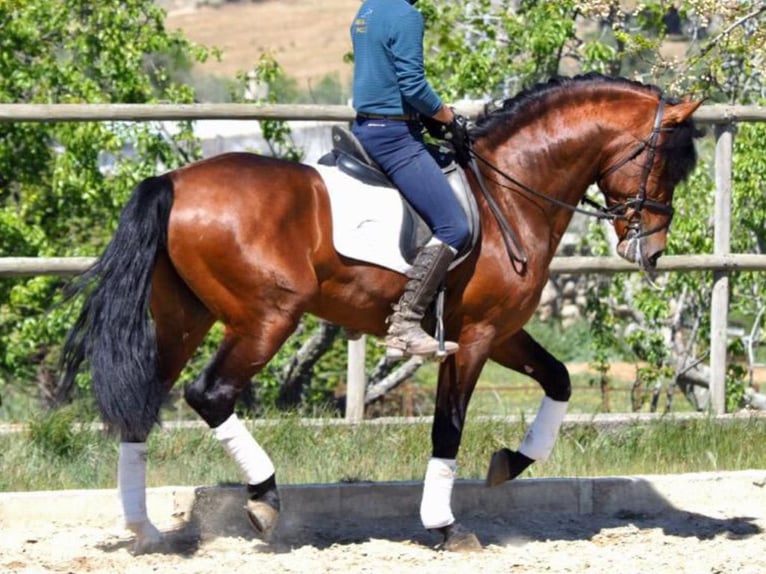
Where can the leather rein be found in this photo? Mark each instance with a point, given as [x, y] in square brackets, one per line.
[612, 213]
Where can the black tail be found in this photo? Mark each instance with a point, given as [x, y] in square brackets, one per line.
[114, 332]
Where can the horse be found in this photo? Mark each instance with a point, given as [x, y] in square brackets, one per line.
[246, 240]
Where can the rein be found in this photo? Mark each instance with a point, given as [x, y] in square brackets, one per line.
[599, 211]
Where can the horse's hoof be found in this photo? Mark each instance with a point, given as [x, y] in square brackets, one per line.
[499, 467]
[148, 547]
[506, 465]
[148, 540]
[458, 539]
[263, 517]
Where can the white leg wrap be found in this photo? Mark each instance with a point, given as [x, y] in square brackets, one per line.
[436, 505]
[255, 464]
[131, 482]
[542, 434]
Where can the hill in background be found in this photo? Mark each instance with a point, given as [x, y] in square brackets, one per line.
[307, 37]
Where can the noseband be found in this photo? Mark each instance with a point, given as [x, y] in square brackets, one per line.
[637, 203]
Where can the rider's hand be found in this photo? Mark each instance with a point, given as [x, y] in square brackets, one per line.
[434, 127]
[457, 135]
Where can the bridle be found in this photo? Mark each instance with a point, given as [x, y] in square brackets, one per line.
[615, 212]
[637, 203]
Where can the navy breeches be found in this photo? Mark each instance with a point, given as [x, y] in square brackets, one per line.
[397, 147]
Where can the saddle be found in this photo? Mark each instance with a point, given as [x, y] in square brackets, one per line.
[350, 158]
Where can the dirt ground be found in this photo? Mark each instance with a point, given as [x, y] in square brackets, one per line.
[307, 37]
[685, 543]
[710, 540]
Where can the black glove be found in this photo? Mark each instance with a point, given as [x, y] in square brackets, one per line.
[457, 135]
[435, 128]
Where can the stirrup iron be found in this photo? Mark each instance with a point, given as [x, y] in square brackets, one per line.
[441, 353]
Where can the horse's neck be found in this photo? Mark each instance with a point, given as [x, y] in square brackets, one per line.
[546, 173]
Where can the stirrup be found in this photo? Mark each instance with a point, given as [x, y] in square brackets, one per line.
[442, 351]
[397, 354]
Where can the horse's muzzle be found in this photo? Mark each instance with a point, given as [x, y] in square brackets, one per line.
[634, 249]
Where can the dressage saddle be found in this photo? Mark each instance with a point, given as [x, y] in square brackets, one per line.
[350, 157]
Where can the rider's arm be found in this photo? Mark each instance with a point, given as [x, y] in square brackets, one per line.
[445, 115]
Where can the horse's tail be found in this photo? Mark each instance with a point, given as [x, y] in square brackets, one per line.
[114, 332]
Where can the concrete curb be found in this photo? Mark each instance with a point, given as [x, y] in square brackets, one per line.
[220, 508]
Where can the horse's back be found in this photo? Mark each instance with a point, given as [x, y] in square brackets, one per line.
[246, 185]
[238, 172]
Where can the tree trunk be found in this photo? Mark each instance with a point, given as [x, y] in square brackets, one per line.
[380, 386]
[297, 373]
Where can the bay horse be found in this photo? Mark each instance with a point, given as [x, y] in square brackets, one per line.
[246, 240]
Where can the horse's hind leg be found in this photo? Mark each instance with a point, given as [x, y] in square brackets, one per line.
[181, 322]
[524, 355]
[213, 396]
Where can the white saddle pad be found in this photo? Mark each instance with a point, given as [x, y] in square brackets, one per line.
[367, 220]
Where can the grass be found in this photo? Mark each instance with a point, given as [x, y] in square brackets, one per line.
[55, 454]
[504, 392]
[55, 458]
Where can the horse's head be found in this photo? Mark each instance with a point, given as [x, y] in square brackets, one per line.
[569, 132]
[640, 174]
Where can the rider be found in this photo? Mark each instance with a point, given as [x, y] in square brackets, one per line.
[390, 92]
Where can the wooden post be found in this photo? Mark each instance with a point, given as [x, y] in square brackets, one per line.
[357, 380]
[719, 304]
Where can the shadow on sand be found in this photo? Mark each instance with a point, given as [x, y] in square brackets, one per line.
[524, 511]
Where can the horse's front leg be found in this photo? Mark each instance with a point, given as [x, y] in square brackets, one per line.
[524, 355]
[457, 378]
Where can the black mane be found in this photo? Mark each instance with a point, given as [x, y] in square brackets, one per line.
[535, 97]
[498, 121]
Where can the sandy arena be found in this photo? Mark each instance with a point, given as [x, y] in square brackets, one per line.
[700, 523]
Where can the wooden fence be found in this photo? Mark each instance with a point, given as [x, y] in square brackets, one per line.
[722, 262]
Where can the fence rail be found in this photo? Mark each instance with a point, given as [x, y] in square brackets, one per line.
[710, 114]
[721, 262]
[66, 266]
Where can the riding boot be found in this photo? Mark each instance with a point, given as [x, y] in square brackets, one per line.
[405, 333]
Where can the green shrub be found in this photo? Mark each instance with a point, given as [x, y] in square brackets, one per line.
[56, 433]
[570, 344]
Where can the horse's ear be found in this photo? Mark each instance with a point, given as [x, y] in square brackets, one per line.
[680, 112]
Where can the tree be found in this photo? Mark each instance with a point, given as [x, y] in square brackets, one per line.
[490, 49]
[65, 196]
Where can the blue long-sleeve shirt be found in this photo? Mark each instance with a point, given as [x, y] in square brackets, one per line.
[389, 73]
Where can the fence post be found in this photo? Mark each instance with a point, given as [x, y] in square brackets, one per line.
[356, 380]
[719, 304]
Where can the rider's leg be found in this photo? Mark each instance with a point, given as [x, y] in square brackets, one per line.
[398, 148]
[405, 333]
